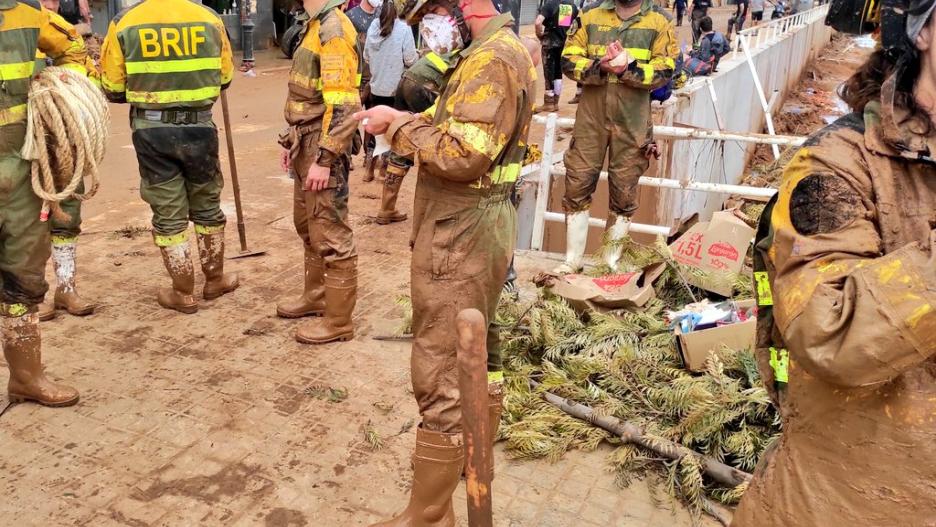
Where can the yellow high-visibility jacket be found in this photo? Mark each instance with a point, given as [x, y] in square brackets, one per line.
[162, 54]
[25, 28]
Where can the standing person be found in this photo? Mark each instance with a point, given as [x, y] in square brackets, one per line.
[25, 28]
[469, 148]
[65, 230]
[736, 22]
[620, 51]
[699, 11]
[757, 10]
[552, 25]
[846, 265]
[390, 49]
[170, 59]
[361, 17]
[323, 96]
[681, 11]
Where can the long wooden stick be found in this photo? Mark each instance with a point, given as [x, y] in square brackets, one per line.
[631, 433]
[473, 387]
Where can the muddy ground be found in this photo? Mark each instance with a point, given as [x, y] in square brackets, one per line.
[221, 418]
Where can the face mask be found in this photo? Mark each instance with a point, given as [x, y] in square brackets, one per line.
[440, 33]
[375, 3]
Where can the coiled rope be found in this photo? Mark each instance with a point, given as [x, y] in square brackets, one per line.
[66, 134]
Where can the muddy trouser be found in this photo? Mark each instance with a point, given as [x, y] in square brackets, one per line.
[696, 17]
[180, 177]
[463, 242]
[321, 218]
[612, 119]
[552, 66]
[67, 229]
[24, 240]
[680, 12]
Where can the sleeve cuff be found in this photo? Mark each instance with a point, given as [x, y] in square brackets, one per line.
[326, 158]
[395, 126]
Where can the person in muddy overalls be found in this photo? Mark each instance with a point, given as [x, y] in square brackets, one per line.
[25, 28]
[170, 59]
[469, 148]
[323, 96]
[620, 50]
[845, 271]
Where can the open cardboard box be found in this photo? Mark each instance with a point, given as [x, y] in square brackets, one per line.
[717, 247]
[606, 293]
[694, 348]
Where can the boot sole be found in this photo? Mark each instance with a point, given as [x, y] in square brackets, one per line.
[24, 399]
[387, 221]
[188, 310]
[341, 338]
[286, 314]
[49, 317]
[76, 313]
[219, 294]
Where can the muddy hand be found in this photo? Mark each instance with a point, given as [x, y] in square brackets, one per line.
[652, 149]
[317, 178]
[285, 162]
[377, 119]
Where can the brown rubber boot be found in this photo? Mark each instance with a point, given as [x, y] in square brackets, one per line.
[340, 297]
[311, 303]
[46, 311]
[66, 294]
[178, 261]
[22, 348]
[211, 255]
[391, 191]
[550, 104]
[576, 98]
[437, 464]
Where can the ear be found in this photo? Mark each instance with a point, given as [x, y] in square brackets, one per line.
[925, 39]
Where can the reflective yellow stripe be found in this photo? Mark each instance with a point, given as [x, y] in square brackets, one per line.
[780, 362]
[572, 50]
[174, 96]
[477, 138]
[357, 80]
[14, 310]
[20, 70]
[430, 111]
[173, 66]
[13, 114]
[305, 81]
[169, 241]
[208, 229]
[113, 86]
[580, 65]
[764, 293]
[669, 63]
[506, 174]
[64, 240]
[597, 50]
[77, 68]
[341, 97]
[647, 73]
[638, 53]
[302, 106]
[437, 61]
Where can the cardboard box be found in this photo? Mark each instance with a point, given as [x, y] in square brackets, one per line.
[694, 348]
[717, 247]
[605, 293]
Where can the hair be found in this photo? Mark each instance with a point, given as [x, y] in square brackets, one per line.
[705, 24]
[864, 85]
[388, 16]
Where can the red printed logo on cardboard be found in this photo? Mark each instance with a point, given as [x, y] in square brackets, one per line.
[723, 250]
[612, 282]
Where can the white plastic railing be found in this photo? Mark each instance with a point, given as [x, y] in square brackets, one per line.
[765, 34]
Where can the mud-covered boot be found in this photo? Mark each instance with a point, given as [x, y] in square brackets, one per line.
[66, 294]
[550, 104]
[577, 97]
[391, 191]
[576, 239]
[22, 348]
[311, 303]
[437, 465]
[46, 311]
[620, 226]
[211, 255]
[177, 258]
[340, 297]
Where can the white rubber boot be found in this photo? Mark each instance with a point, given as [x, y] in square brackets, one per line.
[616, 233]
[576, 237]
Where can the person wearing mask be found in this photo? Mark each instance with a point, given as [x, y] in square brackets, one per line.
[25, 28]
[620, 51]
[552, 25]
[390, 49]
[699, 11]
[469, 148]
[171, 90]
[845, 268]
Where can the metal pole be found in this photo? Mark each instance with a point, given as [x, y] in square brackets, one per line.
[247, 29]
[545, 180]
[760, 92]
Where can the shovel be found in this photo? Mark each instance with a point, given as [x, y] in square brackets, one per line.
[241, 229]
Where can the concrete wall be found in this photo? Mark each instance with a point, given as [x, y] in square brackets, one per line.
[779, 66]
